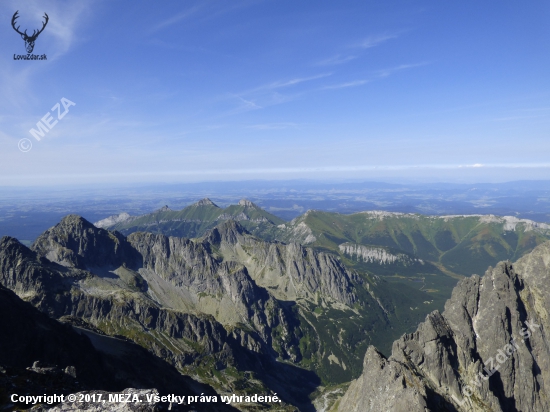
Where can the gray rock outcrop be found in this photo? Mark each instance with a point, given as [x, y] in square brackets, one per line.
[488, 351]
[290, 271]
[114, 219]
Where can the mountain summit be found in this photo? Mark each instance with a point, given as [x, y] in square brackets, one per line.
[247, 203]
[205, 202]
[195, 220]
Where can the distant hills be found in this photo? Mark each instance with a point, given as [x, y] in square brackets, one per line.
[457, 245]
[26, 213]
[461, 244]
[194, 220]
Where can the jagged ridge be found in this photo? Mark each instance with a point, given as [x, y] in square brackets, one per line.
[488, 351]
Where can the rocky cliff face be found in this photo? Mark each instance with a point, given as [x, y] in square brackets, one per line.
[488, 351]
[64, 291]
[374, 254]
[190, 274]
[289, 271]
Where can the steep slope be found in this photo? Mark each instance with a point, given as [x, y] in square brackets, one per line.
[66, 359]
[195, 344]
[488, 351]
[290, 271]
[194, 220]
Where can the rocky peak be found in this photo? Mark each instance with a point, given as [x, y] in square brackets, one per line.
[229, 231]
[205, 202]
[164, 208]
[488, 351]
[247, 203]
[12, 247]
[75, 242]
[74, 223]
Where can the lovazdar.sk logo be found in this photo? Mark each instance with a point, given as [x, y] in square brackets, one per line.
[29, 39]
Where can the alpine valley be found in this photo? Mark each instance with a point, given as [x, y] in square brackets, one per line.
[221, 301]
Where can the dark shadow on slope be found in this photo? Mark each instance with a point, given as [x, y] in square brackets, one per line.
[292, 384]
[436, 402]
[76, 362]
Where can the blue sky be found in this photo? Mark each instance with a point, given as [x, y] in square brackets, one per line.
[213, 90]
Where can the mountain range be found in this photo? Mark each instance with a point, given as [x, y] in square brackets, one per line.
[445, 240]
[246, 303]
[194, 220]
[434, 251]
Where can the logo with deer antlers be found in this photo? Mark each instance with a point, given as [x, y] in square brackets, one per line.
[29, 40]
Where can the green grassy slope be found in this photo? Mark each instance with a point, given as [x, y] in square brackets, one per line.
[461, 244]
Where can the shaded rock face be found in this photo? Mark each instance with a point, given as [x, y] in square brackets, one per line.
[75, 242]
[63, 291]
[28, 335]
[66, 359]
[488, 351]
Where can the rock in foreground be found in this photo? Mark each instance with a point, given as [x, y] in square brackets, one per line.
[488, 351]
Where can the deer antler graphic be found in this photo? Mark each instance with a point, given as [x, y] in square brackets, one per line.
[29, 40]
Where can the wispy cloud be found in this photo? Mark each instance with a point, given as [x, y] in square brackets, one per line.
[286, 83]
[273, 126]
[244, 105]
[184, 15]
[346, 85]
[376, 40]
[268, 94]
[336, 60]
[207, 9]
[391, 70]
[379, 74]
[367, 43]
